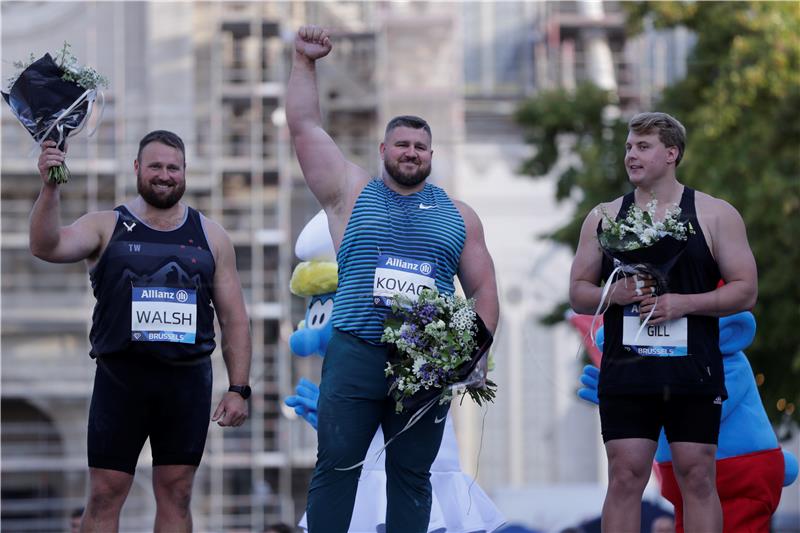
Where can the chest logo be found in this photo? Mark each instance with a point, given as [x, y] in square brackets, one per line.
[127, 227]
[423, 206]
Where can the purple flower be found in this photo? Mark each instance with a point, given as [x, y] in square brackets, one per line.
[425, 371]
[426, 313]
[410, 334]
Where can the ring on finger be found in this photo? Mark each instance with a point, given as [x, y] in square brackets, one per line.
[652, 290]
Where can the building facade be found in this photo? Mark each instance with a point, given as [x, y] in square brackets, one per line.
[215, 73]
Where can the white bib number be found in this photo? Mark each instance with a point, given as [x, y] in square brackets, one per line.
[668, 339]
[163, 314]
[399, 275]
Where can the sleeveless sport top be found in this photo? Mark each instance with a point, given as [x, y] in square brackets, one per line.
[153, 291]
[392, 243]
[700, 371]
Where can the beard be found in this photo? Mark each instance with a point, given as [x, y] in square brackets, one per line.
[156, 199]
[407, 179]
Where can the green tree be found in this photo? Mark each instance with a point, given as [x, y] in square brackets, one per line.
[739, 102]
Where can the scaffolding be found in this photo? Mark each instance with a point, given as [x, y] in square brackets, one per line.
[239, 173]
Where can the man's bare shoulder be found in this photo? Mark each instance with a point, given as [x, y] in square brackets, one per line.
[356, 179]
[467, 213]
[215, 233]
[705, 204]
[102, 221]
[605, 208]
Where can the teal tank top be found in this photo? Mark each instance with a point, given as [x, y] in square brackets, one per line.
[409, 238]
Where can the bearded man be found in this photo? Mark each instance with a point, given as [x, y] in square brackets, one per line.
[392, 231]
[156, 267]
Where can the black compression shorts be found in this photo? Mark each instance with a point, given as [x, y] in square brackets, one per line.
[685, 418]
[137, 398]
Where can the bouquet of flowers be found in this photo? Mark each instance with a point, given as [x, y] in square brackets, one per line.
[435, 344]
[52, 99]
[639, 244]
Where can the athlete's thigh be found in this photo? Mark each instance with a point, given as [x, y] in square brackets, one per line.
[693, 418]
[630, 417]
[118, 415]
[351, 397]
[179, 427]
[413, 447]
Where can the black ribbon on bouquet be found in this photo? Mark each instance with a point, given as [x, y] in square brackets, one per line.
[49, 107]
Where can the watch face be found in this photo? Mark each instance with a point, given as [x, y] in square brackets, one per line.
[243, 390]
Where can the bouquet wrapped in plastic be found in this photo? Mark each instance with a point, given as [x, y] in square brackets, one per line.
[435, 344]
[638, 244]
[53, 100]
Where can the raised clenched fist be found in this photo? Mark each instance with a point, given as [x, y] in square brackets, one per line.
[313, 42]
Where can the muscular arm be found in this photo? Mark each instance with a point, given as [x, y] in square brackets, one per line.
[234, 324]
[584, 276]
[736, 265]
[328, 173]
[49, 240]
[728, 238]
[476, 269]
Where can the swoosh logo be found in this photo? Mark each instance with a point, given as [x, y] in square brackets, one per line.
[423, 206]
[438, 420]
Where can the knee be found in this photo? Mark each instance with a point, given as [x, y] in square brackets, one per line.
[627, 479]
[696, 480]
[104, 499]
[176, 494]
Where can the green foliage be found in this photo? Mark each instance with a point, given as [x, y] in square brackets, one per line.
[739, 103]
[86, 77]
[558, 116]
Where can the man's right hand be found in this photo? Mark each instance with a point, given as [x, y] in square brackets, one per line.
[632, 289]
[50, 157]
[312, 42]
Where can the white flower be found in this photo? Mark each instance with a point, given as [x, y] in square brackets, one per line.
[649, 234]
[637, 230]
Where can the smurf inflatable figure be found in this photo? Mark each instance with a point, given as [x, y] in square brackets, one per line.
[751, 466]
[315, 278]
[459, 504]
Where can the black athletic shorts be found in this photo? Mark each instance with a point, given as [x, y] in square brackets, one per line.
[137, 397]
[685, 418]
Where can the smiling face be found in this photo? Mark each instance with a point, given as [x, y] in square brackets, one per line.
[647, 160]
[160, 175]
[407, 154]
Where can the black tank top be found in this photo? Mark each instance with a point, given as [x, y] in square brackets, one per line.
[153, 291]
[623, 371]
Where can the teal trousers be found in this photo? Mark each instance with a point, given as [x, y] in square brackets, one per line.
[353, 402]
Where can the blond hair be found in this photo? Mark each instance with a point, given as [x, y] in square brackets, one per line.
[670, 131]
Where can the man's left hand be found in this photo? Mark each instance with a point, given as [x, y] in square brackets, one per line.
[481, 371]
[667, 307]
[231, 411]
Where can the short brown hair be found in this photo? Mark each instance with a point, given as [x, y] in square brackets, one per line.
[408, 121]
[670, 131]
[163, 137]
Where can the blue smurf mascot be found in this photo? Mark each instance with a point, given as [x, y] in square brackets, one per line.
[315, 278]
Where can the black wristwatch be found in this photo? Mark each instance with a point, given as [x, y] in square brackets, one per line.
[243, 390]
